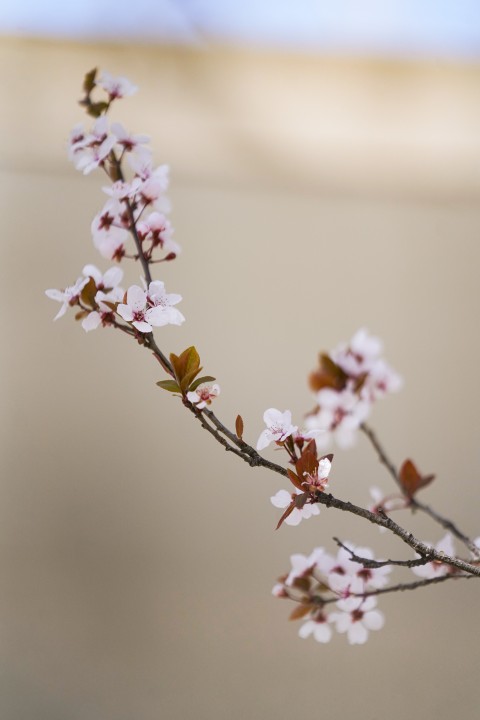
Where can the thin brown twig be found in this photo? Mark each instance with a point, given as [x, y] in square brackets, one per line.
[401, 587]
[370, 563]
[413, 503]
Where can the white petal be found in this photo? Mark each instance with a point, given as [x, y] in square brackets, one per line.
[322, 632]
[125, 311]
[93, 272]
[281, 499]
[142, 326]
[374, 620]
[264, 440]
[113, 277]
[357, 634]
[92, 321]
[307, 629]
[136, 298]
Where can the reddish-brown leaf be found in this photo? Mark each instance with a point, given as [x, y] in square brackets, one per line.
[295, 480]
[239, 427]
[411, 480]
[307, 463]
[88, 293]
[300, 611]
[327, 375]
[287, 512]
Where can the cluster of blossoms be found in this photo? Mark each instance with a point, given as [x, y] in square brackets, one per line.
[321, 581]
[346, 384]
[123, 219]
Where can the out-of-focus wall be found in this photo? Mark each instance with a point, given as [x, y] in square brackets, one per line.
[311, 197]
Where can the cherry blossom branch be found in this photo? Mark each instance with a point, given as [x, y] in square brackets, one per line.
[413, 502]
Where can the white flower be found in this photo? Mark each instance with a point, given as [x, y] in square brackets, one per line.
[279, 427]
[357, 357]
[89, 151]
[95, 318]
[158, 230]
[116, 87]
[107, 281]
[356, 617]
[318, 627]
[130, 142]
[436, 568]
[283, 498]
[302, 565]
[340, 415]
[345, 576]
[201, 397]
[153, 308]
[67, 297]
[361, 359]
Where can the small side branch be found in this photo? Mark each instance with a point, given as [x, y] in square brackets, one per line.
[369, 563]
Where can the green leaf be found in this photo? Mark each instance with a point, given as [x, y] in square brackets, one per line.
[199, 381]
[96, 109]
[89, 81]
[169, 385]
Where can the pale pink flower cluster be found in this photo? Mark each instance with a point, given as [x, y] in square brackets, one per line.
[107, 290]
[367, 377]
[328, 576]
[123, 216]
[150, 308]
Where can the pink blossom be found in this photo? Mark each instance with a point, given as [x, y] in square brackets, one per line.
[279, 427]
[283, 498]
[67, 297]
[108, 290]
[201, 397]
[318, 626]
[89, 151]
[302, 565]
[145, 310]
[345, 576]
[116, 87]
[339, 416]
[158, 230]
[131, 143]
[357, 617]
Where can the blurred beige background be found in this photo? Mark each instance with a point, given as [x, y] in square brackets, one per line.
[311, 197]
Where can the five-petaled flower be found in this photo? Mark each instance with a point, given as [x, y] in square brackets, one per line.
[201, 397]
[279, 427]
[69, 296]
[152, 308]
[357, 617]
